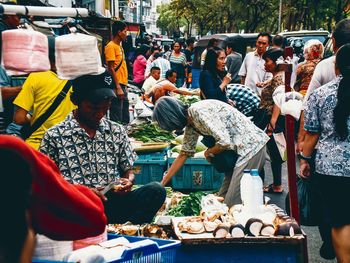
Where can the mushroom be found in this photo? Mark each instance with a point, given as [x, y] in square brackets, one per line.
[253, 226]
[195, 227]
[237, 230]
[288, 229]
[129, 230]
[267, 230]
[221, 231]
[210, 226]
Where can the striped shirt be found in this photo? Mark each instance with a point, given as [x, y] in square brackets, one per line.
[245, 99]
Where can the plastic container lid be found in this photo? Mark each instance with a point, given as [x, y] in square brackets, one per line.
[254, 172]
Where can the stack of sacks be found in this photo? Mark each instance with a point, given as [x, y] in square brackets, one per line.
[76, 55]
[24, 51]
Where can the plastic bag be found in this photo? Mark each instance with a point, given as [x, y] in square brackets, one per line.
[24, 51]
[210, 203]
[309, 199]
[290, 103]
[281, 144]
[141, 110]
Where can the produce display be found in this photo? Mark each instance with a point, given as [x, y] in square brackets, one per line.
[150, 132]
[221, 222]
[188, 206]
[146, 230]
[200, 147]
[188, 100]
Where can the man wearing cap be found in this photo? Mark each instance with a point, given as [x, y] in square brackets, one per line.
[93, 151]
[38, 93]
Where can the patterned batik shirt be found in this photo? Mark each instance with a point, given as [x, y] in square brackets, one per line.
[267, 93]
[246, 100]
[229, 127]
[89, 161]
[333, 155]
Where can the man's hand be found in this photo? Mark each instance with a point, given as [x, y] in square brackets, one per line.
[120, 93]
[99, 194]
[300, 145]
[208, 155]
[304, 169]
[124, 186]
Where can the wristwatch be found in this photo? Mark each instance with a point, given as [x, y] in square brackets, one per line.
[303, 157]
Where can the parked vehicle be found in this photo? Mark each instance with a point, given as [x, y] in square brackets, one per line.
[244, 43]
[305, 35]
[164, 41]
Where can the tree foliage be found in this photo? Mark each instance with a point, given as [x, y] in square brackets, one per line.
[220, 16]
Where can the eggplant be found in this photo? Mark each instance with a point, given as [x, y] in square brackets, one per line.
[267, 230]
[253, 226]
[237, 230]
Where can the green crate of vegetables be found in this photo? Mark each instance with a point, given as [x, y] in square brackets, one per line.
[196, 174]
[150, 167]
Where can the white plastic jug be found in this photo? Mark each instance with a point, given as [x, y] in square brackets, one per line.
[245, 186]
[257, 188]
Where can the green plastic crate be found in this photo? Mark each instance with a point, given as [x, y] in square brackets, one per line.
[196, 174]
[150, 167]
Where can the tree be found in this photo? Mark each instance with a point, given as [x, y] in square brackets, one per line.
[168, 22]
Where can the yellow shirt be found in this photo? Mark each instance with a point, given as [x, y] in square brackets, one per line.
[38, 93]
[114, 52]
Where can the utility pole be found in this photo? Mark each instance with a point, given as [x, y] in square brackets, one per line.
[280, 17]
[141, 11]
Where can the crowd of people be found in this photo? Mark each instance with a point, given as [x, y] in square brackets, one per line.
[84, 144]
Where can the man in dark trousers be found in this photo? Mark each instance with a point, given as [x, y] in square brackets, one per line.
[115, 58]
[93, 151]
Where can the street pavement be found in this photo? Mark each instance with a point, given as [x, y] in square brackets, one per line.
[314, 241]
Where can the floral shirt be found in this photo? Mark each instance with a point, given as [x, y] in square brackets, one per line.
[305, 71]
[230, 128]
[267, 92]
[333, 155]
[89, 161]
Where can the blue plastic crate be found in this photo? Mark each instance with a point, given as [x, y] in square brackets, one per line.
[150, 167]
[164, 251]
[227, 251]
[197, 174]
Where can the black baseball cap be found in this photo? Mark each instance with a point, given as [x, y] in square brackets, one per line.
[94, 88]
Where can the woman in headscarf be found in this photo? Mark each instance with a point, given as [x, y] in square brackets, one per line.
[230, 129]
[44, 202]
[313, 53]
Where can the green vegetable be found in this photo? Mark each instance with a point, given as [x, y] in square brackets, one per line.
[188, 100]
[179, 139]
[200, 147]
[176, 149]
[150, 132]
[189, 205]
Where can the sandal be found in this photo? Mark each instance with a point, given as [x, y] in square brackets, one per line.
[269, 189]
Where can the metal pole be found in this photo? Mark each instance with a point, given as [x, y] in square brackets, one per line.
[43, 11]
[280, 17]
[292, 175]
